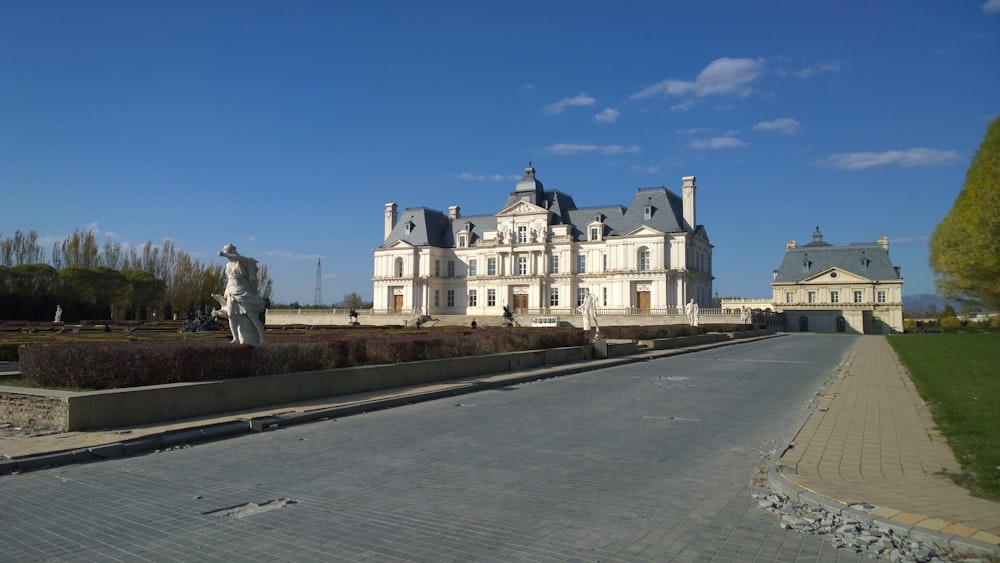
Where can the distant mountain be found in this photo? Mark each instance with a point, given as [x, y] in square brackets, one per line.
[923, 301]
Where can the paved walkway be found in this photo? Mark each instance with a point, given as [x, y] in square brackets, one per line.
[872, 440]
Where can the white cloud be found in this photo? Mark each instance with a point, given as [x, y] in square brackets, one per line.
[693, 131]
[575, 148]
[906, 159]
[581, 99]
[722, 77]
[651, 169]
[469, 176]
[727, 142]
[785, 125]
[609, 115]
[816, 69]
[291, 255]
[992, 7]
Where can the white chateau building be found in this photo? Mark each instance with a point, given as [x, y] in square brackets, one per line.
[540, 254]
[825, 288]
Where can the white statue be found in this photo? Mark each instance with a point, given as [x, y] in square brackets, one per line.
[745, 315]
[58, 313]
[691, 310]
[241, 302]
[589, 310]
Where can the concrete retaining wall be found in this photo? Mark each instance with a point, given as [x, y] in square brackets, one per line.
[114, 408]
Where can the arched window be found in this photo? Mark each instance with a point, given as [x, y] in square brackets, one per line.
[399, 267]
[643, 259]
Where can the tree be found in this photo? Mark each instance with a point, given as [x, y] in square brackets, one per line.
[963, 247]
[352, 301]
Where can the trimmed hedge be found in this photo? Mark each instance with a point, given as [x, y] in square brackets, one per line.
[108, 365]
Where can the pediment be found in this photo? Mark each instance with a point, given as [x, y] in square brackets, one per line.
[399, 245]
[643, 231]
[521, 208]
[835, 276]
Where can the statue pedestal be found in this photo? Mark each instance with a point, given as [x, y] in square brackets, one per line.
[600, 346]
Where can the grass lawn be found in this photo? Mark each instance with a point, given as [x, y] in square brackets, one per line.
[958, 375]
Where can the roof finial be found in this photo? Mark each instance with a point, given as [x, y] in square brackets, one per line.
[817, 236]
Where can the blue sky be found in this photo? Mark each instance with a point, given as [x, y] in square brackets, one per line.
[285, 127]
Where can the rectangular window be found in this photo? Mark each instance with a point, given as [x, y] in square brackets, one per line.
[491, 298]
[451, 298]
[857, 297]
[473, 298]
[522, 234]
[581, 264]
[812, 296]
[522, 266]
[789, 296]
[437, 297]
[834, 297]
[604, 296]
[451, 268]
[593, 233]
[643, 260]
[553, 264]
[491, 266]
[437, 268]
[605, 260]
[881, 296]
[581, 293]
[473, 267]
[553, 297]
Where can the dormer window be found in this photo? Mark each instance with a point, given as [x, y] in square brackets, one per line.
[408, 228]
[595, 233]
[647, 212]
[461, 241]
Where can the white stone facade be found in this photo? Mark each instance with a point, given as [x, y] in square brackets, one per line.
[539, 254]
[824, 288]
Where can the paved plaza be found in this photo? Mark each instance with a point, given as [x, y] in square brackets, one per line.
[644, 461]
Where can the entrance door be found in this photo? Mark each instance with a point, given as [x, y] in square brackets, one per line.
[803, 324]
[398, 302]
[841, 324]
[642, 300]
[520, 302]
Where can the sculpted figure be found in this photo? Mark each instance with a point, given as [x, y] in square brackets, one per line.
[589, 310]
[745, 315]
[691, 310]
[58, 313]
[240, 300]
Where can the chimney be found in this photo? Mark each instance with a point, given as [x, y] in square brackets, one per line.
[688, 195]
[883, 241]
[453, 212]
[390, 218]
[790, 245]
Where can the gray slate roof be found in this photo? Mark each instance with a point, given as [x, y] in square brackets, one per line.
[431, 227]
[868, 260]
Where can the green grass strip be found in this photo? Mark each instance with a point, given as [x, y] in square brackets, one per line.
[958, 375]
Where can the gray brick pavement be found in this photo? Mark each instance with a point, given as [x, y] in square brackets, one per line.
[647, 462]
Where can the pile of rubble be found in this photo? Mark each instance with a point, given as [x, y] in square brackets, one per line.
[845, 532]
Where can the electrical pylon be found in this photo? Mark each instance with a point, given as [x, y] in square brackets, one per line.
[318, 296]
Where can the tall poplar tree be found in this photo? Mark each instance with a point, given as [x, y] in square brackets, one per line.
[965, 246]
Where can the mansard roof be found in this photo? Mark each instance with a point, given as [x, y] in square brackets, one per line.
[430, 227]
[868, 260]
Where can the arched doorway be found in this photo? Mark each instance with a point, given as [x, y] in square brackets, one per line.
[841, 324]
[803, 324]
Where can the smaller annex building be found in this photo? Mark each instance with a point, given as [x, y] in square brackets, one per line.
[821, 287]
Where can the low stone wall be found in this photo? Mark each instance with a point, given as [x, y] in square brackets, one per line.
[115, 408]
[34, 408]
